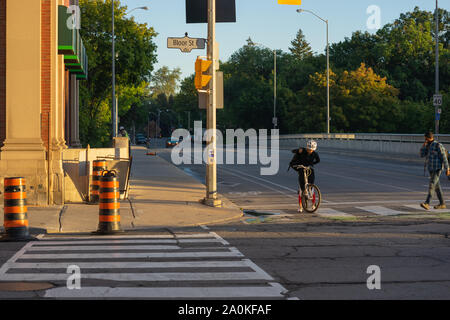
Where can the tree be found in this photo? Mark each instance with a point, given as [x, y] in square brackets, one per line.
[300, 47]
[134, 64]
[165, 81]
[362, 101]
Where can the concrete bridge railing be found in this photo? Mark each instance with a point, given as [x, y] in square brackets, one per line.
[406, 144]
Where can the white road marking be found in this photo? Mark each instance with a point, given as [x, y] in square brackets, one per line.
[263, 185]
[164, 276]
[328, 212]
[150, 236]
[271, 291]
[366, 181]
[219, 238]
[109, 269]
[232, 253]
[130, 265]
[267, 181]
[382, 211]
[102, 248]
[14, 258]
[111, 242]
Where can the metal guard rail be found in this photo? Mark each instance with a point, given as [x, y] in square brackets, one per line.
[388, 137]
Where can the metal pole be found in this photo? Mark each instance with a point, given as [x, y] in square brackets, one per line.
[274, 88]
[114, 124]
[328, 84]
[437, 67]
[211, 164]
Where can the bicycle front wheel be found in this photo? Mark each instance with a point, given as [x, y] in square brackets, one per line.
[311, 198]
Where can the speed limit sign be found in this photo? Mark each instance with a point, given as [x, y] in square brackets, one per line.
[437, 100]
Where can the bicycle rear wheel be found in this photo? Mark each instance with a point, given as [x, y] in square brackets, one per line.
[311, 198]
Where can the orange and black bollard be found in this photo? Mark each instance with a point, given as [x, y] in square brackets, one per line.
[15, 207]
[109, 208]
[98, 166]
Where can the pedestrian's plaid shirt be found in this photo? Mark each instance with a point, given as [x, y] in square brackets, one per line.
[436, 156]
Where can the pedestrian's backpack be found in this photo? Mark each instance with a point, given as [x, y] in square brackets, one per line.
[426, 158]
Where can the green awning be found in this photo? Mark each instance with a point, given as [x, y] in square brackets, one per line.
[71, 45]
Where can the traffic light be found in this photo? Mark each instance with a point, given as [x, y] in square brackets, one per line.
[201, 80]
[294, 2]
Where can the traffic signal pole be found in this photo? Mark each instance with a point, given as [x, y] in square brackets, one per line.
[436, 129]
[211, 164]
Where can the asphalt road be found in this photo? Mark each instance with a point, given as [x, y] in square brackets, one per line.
[370, 216]
[346, 182]
[368, 240]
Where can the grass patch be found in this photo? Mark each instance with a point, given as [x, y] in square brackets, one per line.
[444, 215]
[343, 218]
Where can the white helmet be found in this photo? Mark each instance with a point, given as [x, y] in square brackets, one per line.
[312, 145]
[121, 128]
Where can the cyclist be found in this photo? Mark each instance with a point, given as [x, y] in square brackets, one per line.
[306, 157]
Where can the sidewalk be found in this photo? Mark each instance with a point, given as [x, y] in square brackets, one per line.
[161, 195]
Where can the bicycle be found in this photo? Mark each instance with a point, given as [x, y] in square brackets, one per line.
[311, 196]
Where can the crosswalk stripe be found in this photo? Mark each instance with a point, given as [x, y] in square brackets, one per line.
[49, 259]
[130, 265]
[148, 236]
[152, 241]
[382, 211]
[164, 276]
[326, 212]
[235, 292]
[117, 255]
[101, 248]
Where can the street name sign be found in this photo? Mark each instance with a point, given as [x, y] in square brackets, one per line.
[186, 44]
[437, 100]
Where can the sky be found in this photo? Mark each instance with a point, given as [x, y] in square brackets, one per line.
[267, 23]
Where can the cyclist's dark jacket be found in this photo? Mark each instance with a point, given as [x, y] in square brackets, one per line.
[304, 158]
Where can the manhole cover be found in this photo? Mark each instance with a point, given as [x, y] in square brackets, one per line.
[25, 286]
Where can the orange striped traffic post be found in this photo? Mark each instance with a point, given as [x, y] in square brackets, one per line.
[109, 207]
[15, 209]
[98, 166]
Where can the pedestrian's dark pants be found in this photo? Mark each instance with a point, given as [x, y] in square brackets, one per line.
[301, 179]
[435, 187]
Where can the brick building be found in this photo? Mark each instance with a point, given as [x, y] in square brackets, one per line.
[42, 61]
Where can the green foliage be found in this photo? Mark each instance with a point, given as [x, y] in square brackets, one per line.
[380, 82]
[134, 63]
[165, 81]
[300, 47]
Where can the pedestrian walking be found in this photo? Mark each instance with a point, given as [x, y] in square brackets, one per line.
[436, 160]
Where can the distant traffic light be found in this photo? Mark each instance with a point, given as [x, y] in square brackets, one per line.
[294, 2]
[201, 66]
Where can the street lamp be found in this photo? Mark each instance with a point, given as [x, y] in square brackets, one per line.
[436, 129]
[114, 103]
[274, 120]
[328, 68]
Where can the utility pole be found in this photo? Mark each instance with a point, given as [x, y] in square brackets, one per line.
[211, 163]
[437, 68]
[114, 115]
[328, 82]
[275, 120]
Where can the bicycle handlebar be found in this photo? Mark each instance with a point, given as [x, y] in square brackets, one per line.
[299, 166]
